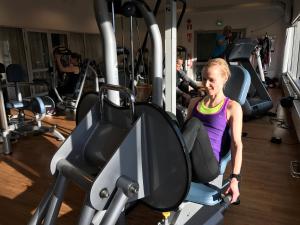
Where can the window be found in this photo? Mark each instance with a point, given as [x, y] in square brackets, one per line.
[12, 46]
[40, 60]
[37, 58]
[205, 46]
[288, 50]
[93, 47]
[12, 51]
[59, 39]
[77, 43]
[295, 51]
[291, 61]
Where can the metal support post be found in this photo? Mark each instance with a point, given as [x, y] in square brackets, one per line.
[170, 55]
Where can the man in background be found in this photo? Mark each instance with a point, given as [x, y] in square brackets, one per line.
[222, 41]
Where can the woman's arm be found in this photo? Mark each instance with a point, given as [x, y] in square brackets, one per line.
[236, 123]
[191, 106]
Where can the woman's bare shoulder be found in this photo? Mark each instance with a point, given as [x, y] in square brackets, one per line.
[234, 108]
[233, 104]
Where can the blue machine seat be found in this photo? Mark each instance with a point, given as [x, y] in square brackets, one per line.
[17, 105]
[203, 194]
[208, 194]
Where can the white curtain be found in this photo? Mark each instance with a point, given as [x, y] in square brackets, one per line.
[77, 43]
[12, 51]
[93, 47]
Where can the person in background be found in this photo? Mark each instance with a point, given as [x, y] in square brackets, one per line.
[214, 125]
[222, 41]
[184, 84]
[67, 66]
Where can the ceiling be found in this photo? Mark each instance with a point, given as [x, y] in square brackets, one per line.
[216, 5]
[205, 5]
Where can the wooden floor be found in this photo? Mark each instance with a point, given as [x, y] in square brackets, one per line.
[269, 195]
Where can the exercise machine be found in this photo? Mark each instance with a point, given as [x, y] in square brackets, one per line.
[123, 66]
[119, 154]
[91, 155]
[258, 101]
[69, 101]
[204, 203]
[17, 125]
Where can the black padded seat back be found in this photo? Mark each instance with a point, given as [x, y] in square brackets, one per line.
[16, 73]
[108, 134]
[167, 158]
[86, 102]
[165, 161]
[2, 68]
[95, 142]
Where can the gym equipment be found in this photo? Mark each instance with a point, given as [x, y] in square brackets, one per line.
[91, 158]
[109, 135]
[121, 154]
[88, 99]
[184, 88]
[258, 101]
[14, 126]
[69, 102]
[257, 51]
[4, 129]
[123, 67]
[192, 211]
[142, 50]
[186, 82]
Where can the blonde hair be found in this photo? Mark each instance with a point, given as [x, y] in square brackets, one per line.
[221, 63]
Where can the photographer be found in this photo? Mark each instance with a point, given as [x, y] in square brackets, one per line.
[222, 42]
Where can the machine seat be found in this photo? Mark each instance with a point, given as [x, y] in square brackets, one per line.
[208, 194]
[17, 105]
[203, 194]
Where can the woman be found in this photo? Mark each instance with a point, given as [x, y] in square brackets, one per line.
[210, 120]
[68, 73]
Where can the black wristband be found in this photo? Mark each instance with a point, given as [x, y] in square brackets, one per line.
[237, 176]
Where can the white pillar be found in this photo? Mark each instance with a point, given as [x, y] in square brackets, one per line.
[170, 55]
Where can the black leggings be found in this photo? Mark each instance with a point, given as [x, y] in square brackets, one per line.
[204, 163]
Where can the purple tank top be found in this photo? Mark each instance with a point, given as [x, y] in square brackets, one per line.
[217, 127]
